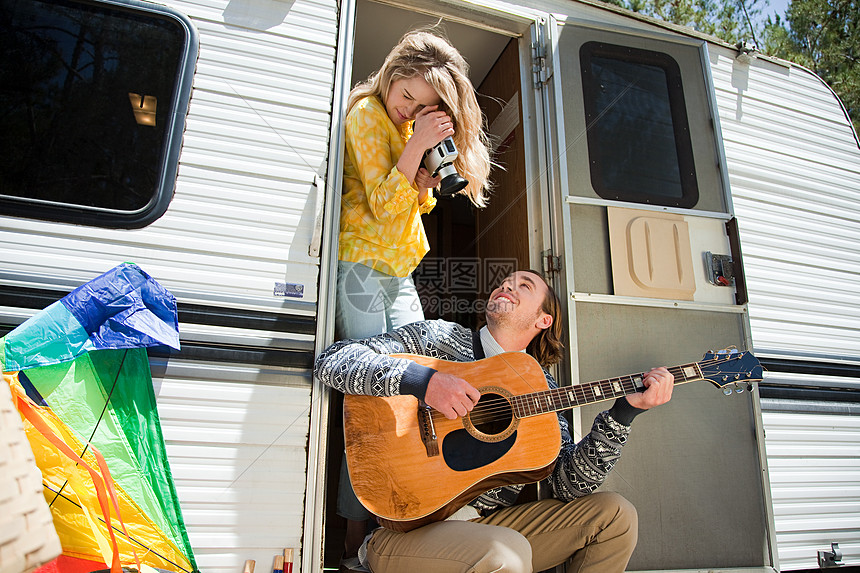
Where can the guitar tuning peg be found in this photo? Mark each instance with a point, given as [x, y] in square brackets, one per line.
[739, 389]
[727, 390]
[749, 387]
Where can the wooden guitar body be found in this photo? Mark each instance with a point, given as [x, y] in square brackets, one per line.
[406, 482]
[410, 465]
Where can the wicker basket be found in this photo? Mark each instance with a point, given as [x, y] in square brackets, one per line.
[27, 536]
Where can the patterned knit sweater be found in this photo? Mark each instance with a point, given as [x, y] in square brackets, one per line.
[365, 367]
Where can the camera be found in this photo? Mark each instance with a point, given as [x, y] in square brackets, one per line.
[439, 160]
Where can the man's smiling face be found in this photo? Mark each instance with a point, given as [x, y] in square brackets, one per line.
[518, 301]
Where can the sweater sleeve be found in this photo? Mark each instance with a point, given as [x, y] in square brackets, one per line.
[366, 367]
[582, 467]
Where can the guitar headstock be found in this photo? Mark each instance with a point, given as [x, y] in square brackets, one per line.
[730, 367]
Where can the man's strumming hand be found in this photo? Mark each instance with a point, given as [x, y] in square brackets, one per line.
[450, 395]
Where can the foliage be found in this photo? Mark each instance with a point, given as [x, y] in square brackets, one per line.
[824, 36]
[731, 20]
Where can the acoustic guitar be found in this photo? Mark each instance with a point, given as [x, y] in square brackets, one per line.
[409, 465]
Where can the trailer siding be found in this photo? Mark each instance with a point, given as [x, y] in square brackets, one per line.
[235, 404]
[815, 483]
[794, 169]
[256, 136]
[237, 442]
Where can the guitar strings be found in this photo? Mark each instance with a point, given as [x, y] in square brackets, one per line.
[502, 408]
[498, 409]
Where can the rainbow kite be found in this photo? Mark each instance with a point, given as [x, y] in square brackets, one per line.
[80, 377]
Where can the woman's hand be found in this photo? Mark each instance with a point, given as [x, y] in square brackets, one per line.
[424, 181]
[431, 126]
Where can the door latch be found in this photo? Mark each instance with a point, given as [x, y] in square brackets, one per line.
[830, 558]
[720, 269]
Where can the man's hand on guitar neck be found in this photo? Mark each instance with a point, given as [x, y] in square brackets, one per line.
[658, 389]
[450, 395]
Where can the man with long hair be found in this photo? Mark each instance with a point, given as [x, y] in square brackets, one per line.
[592, 531]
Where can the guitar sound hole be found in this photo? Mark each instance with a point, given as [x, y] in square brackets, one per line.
[492, 414]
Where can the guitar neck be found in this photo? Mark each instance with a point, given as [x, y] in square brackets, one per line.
[558, 399]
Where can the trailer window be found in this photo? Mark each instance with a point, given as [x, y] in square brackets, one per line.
[638, 137]
[93, 99]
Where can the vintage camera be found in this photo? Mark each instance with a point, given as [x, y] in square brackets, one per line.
[439, 160]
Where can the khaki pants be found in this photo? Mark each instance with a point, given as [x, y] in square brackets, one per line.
[594, 534]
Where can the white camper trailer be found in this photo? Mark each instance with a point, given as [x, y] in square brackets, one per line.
[717, 151]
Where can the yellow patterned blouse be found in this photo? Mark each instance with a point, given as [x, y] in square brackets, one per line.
[380, 218]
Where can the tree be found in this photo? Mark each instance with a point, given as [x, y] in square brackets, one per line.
[731, 20]
[824, 36]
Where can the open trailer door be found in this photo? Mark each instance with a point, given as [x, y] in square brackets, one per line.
[652, 275]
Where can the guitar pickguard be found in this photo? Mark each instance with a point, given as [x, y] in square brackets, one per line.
[463, 452]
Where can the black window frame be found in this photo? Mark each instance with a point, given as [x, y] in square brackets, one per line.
[680, 124]
[168, 167]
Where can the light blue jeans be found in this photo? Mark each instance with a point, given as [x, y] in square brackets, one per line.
[369, 303]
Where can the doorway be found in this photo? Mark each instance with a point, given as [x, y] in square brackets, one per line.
[470, 249]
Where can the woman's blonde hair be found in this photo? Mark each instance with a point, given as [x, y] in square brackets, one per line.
[424, 53]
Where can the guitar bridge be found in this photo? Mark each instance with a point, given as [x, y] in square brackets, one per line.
[428, 431]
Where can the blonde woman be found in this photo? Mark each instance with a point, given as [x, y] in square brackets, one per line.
[420, 96]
